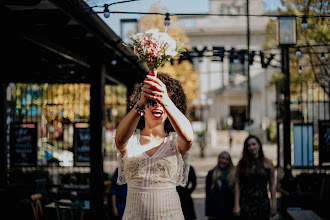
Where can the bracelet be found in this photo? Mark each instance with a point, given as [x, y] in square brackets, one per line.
[139, 110]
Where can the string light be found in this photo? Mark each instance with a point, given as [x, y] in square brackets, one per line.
[167, 19]
[114, 62]
[106, 11]
[322, 56]
[298, 52]
[304, 24]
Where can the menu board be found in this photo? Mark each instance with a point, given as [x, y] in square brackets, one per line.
[23, 148]
[324, 142]
[81, 144]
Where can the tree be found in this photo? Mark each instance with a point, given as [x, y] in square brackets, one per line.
[184, 71]
[317, 33]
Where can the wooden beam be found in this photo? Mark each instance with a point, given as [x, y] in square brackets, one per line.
[56, 48]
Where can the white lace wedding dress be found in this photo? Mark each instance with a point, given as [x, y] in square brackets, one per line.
[152, 180]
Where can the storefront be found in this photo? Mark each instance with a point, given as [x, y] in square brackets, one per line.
[65, 76]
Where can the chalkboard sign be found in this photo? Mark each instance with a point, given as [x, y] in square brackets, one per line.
[23, 149]
[81, 144]
[324, 142]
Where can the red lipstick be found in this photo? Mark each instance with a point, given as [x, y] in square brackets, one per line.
[157, 112]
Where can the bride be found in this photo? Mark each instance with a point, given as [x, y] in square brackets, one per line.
[153, 141]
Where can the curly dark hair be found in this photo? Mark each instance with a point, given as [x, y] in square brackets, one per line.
[175, 92]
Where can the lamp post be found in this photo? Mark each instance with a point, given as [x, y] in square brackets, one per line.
[286, 37]
[249, 93]
[205, 104]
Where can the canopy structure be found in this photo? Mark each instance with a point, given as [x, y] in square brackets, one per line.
[57, 41]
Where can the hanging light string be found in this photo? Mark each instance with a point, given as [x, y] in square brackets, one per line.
[221, 15]
[167, 15]
[299, 51]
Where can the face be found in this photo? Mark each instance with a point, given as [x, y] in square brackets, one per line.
[253, 147]
[223, 161]
[155, 114]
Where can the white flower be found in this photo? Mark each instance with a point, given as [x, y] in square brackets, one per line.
[154, 47]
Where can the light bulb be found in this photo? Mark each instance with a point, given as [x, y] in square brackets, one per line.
[106, 14]
[106, 11]
[298, 52]
[304, 24]
[167, 19]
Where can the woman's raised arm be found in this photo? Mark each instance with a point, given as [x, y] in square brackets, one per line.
[128, 124]
[178, 120]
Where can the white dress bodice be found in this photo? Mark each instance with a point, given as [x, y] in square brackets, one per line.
[152, 180]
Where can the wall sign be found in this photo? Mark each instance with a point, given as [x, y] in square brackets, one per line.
[81, 144]
[23, 148]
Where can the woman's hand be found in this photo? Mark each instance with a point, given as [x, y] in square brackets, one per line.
[237, 210]
[155, 89]
[115, 212]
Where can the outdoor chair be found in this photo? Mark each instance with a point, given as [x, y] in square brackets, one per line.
[69, 210]
[36, 206]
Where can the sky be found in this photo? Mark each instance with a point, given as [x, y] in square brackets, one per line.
[173, 6]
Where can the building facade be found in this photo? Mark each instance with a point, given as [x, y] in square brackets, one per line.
[224, 83]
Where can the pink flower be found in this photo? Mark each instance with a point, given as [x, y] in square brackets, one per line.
[155, 47]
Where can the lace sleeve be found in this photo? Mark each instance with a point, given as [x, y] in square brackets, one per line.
[185, 169]
[121, 180]
[121, 160]
[184, 165]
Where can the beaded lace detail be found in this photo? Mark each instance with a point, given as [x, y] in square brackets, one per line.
[166, 168]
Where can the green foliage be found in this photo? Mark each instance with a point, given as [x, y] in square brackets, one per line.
[317, 33]
[316, 145]
[272, 132]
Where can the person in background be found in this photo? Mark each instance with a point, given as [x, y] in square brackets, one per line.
[219, 201]
[231, 137]
[118, 197]
[187, 202]
[253, 174]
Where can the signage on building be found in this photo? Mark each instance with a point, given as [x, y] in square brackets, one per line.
[234, 55]
[81, 144]
[23, 148]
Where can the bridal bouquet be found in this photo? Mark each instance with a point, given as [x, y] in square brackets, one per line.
[155, 48]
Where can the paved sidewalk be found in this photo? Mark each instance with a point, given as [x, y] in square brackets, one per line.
[203, 165]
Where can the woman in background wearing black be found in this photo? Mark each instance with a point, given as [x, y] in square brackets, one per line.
[220, 189]
[253, 176]
[187, 202]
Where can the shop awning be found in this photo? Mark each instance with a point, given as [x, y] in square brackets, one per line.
[56, 41]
